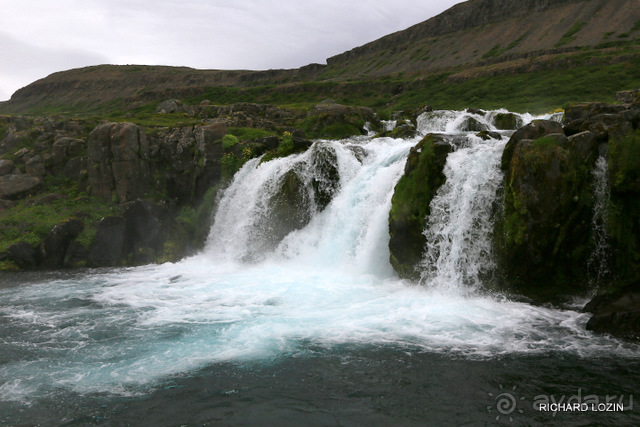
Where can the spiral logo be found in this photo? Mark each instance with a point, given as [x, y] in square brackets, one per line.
[505, 404]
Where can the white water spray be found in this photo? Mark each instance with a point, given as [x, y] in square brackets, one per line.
[325, 281]
[458, 253]
[598, 262]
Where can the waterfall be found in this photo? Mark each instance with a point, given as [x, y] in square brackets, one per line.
[598, 262]
[271, 210]
[458, 253]
[297, 260]
[351, 229]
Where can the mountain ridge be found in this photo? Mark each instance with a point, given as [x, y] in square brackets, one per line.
[476, 38]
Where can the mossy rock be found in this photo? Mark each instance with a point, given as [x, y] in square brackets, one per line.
[326, 176]
[401, 131]
[507, 121]
[544, 238]
[423, 175]
[623, 220]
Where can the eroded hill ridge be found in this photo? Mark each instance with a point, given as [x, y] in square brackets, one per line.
[474, 38]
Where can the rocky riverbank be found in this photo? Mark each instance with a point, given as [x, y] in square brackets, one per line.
[157, 184]
[125, 194]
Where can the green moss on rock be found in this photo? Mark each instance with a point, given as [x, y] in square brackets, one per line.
[623, 220]
[410, 203]
[544, 237]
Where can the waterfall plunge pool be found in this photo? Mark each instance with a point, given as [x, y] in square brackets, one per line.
[316, 329]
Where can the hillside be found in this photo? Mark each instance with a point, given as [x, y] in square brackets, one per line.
[471, 41]
[480, 32]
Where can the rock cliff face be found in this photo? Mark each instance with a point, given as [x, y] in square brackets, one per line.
[118, 155]
[546, 237]
[160, 183]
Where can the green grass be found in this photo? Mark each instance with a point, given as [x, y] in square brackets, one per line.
[244, 134]
[575, 79]
[31, 223]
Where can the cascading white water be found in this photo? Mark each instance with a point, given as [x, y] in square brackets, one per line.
[598, 262]
[458, 253]
[350, 231]
[459, 228]
[324, 281]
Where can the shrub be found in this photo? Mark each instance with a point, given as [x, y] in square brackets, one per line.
[228, 141]
[286, 145]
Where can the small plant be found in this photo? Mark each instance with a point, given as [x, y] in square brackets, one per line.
[230, 165]
[228, 141]
[286, 145]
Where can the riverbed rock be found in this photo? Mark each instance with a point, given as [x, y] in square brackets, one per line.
[471, 124]
[54, 247]
[617, 313]
[290, 209]
[107, 248]
[507, 121]
[325, 179]
[410, 203]
[487, 134]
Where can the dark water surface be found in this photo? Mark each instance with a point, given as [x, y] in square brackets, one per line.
[359, 386]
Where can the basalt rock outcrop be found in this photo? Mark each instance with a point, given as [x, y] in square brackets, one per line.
[545, 239]
[423, 175]
[616, 313]
[165, 175]
[118, 155]
[544, 235]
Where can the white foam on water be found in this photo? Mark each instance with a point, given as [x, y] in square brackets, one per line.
[326, 284]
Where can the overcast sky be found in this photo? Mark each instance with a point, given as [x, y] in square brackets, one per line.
[39, 37]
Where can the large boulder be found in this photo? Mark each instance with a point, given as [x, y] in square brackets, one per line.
[54, 247]
[17, 186]
[107, 248]
[617, 313]
[23, 255]
[507, 121]
[118, 156]
[325, 179]
[534, 130]
[544, 238]
[423, 175]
